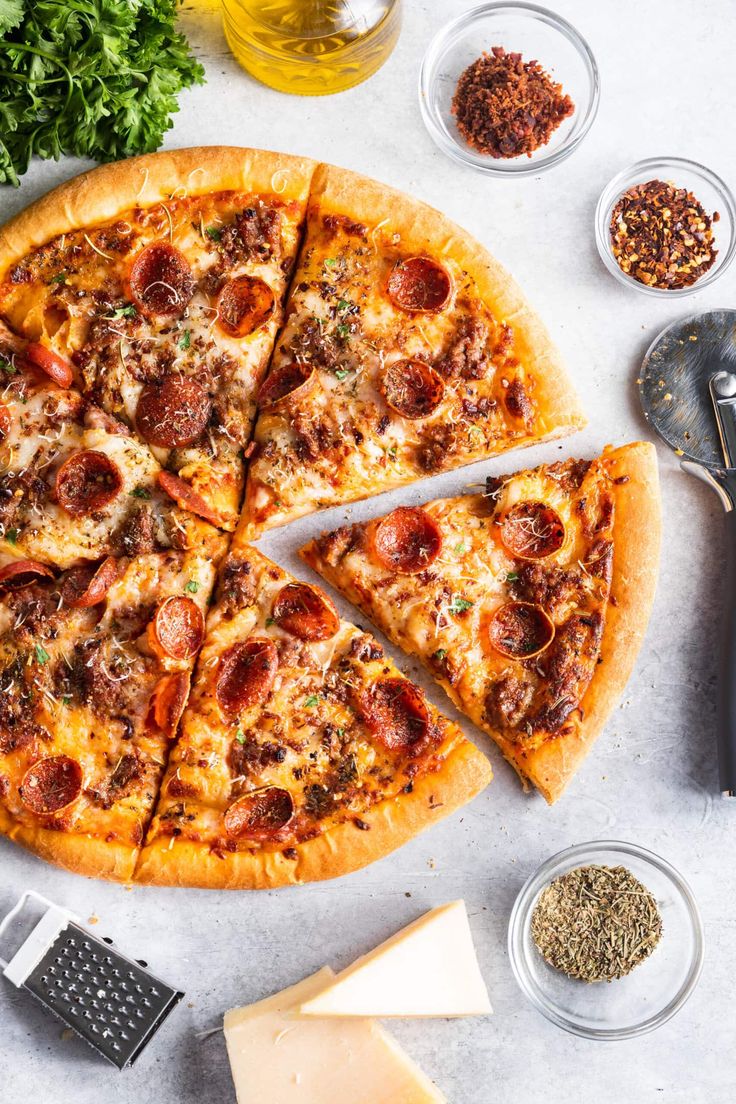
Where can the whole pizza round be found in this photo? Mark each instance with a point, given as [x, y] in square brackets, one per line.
[195, 347]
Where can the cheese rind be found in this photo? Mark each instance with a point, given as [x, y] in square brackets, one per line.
[279, 1057]
[427, 969]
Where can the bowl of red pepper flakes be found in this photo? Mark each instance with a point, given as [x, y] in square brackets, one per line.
[666, 226]
[509, 89]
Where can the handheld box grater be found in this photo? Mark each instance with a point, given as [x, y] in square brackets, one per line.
[111, 1002]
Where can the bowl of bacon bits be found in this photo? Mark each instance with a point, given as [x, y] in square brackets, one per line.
[509, 89]
[666, 226]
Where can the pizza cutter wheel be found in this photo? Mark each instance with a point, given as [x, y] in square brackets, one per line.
[688, 391]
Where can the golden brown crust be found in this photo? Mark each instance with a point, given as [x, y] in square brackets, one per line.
[80, 854]
[102, 193]
[464, 773]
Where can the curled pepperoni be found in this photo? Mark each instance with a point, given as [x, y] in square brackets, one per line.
[532, 530]
[420, 284]
[306, 612]
[186, 497]
[244, 305]
[259, 815]
[161, 280]
[51, 784]
[86, 482]
[167, 702]
[177, 630]
[6, 420]
[290, 380]
[407, 540]
[412, 388]
[246, 675]
[21, 573]
[520, 630]
[87, 586]
[55, 367]
[174, 413]
[396, 713]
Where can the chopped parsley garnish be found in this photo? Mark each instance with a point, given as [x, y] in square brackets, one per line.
[391, 452]
[341, 732]
[439, 654]
[42, 656]
[185, 340]
[461, 547]
[343, 330]
[8, 366]
[310, 701]
[269, 622]
[343, 305]
[511, 577]
[66, 700]
[128, 311]
[59, 278]
[240, 736]
[140, 492]
[11, 536]
[192, 586]
[330, 262]
[342, 373]
[213, 233]
[459, 605]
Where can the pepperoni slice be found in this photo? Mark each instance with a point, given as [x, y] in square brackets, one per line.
[246, 675]
[306, 612]
[420, 284]
[290, 380]
[407, 540]
[244, 305]
[51, 784]
[396, 713]
[532, 530]
[174, 413]
[58, 369]
[86, 482]
[259, 815]
[21, 573]
[412, 388]
[167, 702]
[6, 420]
[186, 497]
[161, 280]
[177, 630]
[520, 630]
[88, 586]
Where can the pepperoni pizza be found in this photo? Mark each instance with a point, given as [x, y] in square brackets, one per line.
[527, 603]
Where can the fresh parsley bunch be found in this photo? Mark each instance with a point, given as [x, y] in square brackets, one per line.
[95, 78]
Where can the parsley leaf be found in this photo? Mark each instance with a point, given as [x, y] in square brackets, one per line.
[60, 277]
[330, 262]
[342, 373]
[213, 233]
[343, 330]
[11, 536]
[459, 605]
[66, 699]
[311, 700]
[7, 365]
[140, 492]
[511, 577]
[122, 312]
[192, 586]
[185, 340]
[439, 654]
[461, 547]
[269, 622]
[240, 736]
[98, 79]
[42, 656]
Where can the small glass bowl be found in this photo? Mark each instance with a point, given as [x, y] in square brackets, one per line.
[535, 33]
[713, 193]
[647, 997]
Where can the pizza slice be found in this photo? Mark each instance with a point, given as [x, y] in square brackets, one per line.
[527, 603]
[407, 350]
[75, 485]
[95, 667]
[159, 283]
[304, 753]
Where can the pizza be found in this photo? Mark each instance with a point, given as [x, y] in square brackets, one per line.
[304, 753]
[527, 603]
[156, 288]
[95, 666]
[407, 350]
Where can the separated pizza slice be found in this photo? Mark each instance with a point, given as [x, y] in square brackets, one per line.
[527, 603]
[158, 284]
[407, 350]
[75, 486]
[95, 667]
[304, 753]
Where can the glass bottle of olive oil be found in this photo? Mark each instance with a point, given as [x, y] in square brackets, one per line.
[311, 47]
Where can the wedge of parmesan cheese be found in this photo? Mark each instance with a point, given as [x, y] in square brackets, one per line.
[427, 969]
[278, 1057]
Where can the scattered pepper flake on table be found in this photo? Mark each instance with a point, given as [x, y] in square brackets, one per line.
[662, 236]
[506, 106]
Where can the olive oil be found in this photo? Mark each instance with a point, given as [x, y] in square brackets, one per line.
[311, 47]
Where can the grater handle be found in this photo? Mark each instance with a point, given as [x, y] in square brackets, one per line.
[53, 921]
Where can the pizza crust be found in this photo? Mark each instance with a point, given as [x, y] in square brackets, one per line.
[464, 773]
[103, 193]
[80, 854]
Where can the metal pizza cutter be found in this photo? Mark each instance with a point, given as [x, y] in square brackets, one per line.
[688, 391]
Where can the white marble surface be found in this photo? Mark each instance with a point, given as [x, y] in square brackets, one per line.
[669, 85]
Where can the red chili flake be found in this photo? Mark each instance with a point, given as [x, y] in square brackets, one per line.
[662, 236]
[505, 106]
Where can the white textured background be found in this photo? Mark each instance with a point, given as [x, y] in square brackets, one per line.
[668, 87]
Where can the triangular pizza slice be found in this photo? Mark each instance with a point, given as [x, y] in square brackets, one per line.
[156, 285]
[304, 753]
[407, 350]
[95, 666]
[527, 603]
